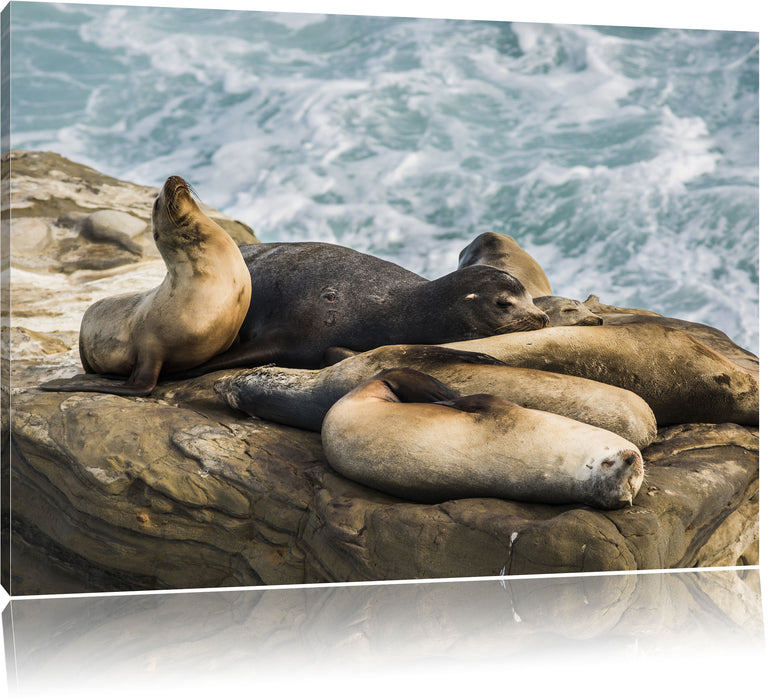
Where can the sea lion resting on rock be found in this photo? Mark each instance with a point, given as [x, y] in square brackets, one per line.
[473, 446]
[503, 253]
[301, 397]
[563, 311]
[682, 380]
[308, 297]
[193, 314]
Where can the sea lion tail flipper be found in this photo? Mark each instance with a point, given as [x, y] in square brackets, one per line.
[412, 386]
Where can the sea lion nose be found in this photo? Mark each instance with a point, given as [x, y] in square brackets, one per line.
[174, 183]
[543, 319]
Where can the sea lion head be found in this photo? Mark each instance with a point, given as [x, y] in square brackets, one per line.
[491, 247]
[176, 216]
[487, 301]
[567, 312]
[182, 231]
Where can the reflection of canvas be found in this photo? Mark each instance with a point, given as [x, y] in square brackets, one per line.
[273, 637]
[624, 170]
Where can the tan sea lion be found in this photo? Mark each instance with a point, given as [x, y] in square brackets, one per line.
[683, 380]
[301, 397]
[563, 311]
[473, 447]
[193, 314]
[503, 253]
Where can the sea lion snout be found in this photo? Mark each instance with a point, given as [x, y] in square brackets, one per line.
[542, 320]
[173, 183]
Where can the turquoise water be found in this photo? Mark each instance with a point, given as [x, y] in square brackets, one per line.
[625, 160]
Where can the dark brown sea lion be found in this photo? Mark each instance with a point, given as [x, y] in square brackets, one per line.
[308, 297]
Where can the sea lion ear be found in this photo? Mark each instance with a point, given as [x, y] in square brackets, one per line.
[411, 386]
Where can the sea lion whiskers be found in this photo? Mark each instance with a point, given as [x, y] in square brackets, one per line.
[523, 324]
[172, 202]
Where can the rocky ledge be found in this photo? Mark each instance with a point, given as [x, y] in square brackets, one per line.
[178, 490]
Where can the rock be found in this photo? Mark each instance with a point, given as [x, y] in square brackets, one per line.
[178, 490]
[66, 216]
[112, 226]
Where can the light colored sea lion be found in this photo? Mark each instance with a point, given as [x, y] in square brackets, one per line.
[709, 336]
[193, 314]
[563, 311]
[503, 253]
[301, 397]
[594, 304]
[682, 380]
[308, 297]
[473, 446]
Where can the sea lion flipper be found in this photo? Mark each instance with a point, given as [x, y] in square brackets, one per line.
[474, 403]
[265, 351]
[436, 353]
[412, 386]
[140, 383]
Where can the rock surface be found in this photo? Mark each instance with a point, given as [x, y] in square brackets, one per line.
[178, 490]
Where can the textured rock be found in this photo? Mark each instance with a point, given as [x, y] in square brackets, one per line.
[67, 217]
[178, 490]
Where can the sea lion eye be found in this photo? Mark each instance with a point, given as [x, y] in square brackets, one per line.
[503, 303]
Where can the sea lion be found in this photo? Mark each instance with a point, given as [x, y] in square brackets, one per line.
[301, 397]
[712, 337]
[503, 253]
[567, 312]
[193, 314]
[473, 447]
[682, 380]
[308, 297]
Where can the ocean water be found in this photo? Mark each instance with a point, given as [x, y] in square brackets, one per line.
[625, 160]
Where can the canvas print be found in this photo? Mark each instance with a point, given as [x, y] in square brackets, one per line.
[309, 298]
